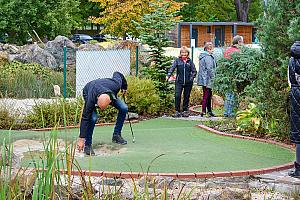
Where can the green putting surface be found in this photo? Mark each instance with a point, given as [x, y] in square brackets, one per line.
[183, 148]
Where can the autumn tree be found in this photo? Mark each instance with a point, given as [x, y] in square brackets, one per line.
[117, 15]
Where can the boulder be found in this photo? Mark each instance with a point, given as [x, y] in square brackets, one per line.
[217, 101]
[35, 54]
[90, 47]
[56, 48]
[9, 48]
[3, 57]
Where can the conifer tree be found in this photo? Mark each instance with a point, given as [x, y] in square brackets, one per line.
[154, 27]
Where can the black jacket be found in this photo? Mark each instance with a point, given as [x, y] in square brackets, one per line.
[92, 90]
[294, 77]
[185, 72]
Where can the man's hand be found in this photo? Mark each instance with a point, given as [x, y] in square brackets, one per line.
[80, 144]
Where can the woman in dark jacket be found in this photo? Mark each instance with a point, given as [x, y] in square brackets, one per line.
[185, 74]
[294, 79]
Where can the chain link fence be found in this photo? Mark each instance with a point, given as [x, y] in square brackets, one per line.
[91, 65]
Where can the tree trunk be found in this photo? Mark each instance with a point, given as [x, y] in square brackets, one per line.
[242, 9]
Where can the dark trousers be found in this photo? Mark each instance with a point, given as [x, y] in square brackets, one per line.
[122, 108]
[186, 96]
[206, 101]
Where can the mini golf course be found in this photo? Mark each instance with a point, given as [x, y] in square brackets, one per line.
[169, 146]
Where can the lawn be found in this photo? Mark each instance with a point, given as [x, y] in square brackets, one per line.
[179, 146]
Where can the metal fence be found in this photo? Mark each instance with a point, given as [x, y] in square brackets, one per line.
[92, 65]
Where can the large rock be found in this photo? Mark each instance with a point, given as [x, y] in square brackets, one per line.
[90, 47]
[35, 54]
[217, 101]
[56, 48]
[8, 48]
[3, 57]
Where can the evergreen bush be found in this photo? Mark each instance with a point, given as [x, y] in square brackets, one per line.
[237, 73]
[142, 96]
[278, 29]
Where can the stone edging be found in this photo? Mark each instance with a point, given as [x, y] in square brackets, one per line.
[113, 174]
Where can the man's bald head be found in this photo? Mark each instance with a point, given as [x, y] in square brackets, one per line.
[103, 101]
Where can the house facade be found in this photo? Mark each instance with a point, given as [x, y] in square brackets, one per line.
[220, 33]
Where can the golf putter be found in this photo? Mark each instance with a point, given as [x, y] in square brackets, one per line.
[133, 138]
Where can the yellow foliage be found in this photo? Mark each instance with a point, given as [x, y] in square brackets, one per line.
[118, 14]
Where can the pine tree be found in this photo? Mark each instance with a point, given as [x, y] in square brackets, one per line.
[154, 29]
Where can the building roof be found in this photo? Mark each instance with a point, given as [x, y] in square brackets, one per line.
[217, 23]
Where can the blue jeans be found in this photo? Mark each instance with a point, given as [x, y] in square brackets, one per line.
[229, 104]
[121, 107]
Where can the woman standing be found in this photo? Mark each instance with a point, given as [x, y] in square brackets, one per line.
[206, 75]
[294, 79]
[185, 74]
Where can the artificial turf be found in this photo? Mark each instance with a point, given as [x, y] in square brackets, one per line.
[178, 146]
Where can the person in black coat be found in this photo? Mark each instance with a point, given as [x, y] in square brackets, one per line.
[101, 93]
[294, 79]
[185, 74]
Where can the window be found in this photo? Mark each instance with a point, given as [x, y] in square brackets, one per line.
[209, 29]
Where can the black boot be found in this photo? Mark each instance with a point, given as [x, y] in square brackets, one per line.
[88, 150]
[177, 114]
[296, 172]
[202, 114]
[118, 139]
[211, 114]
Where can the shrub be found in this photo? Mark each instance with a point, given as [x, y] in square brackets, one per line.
[270, 89]
[235, 74]
[6, 120]
[249, 120]
[196, 96]
[58, 113]
[20, 80]
[107, 115]
[142, 96]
